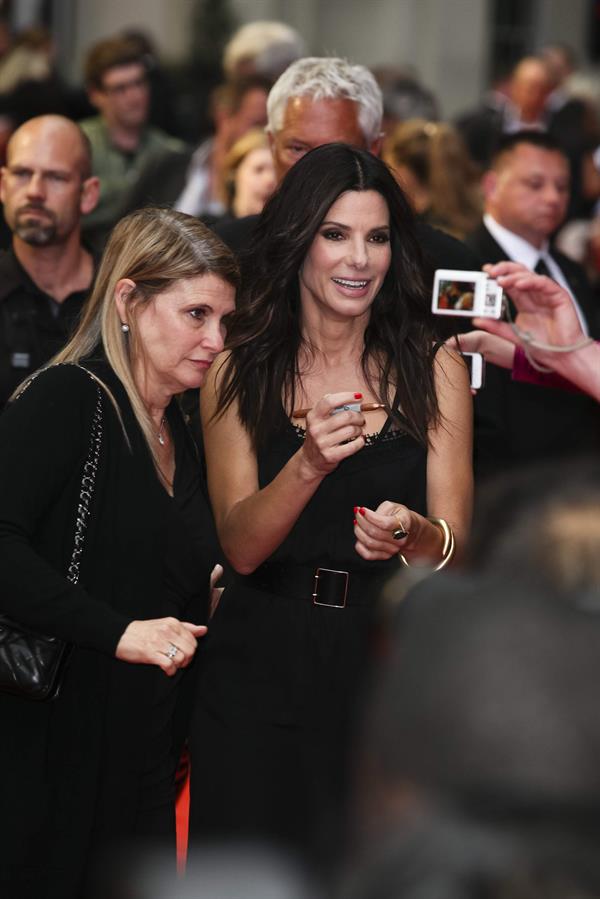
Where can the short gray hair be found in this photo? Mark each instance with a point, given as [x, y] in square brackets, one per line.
[328, 78]
[271, 46]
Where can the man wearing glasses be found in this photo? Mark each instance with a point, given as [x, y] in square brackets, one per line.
[123, 143]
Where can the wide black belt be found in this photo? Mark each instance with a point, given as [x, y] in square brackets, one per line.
[323, 586]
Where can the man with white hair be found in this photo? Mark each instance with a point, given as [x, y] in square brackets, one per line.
[324, 100]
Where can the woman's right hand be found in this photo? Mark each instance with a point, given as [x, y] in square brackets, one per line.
[325, 444]
[150, 643]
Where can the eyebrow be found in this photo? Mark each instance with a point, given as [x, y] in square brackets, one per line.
[347, 227]
[23, 167]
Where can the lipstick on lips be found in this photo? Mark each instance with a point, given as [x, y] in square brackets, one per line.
[354, 286]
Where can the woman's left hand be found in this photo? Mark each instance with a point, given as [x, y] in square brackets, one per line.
[374, 531]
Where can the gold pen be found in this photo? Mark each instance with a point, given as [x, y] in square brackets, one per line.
[347, 407]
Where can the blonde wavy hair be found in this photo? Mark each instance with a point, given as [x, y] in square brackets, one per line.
[154, 248]
[255, 139]
[436, 155]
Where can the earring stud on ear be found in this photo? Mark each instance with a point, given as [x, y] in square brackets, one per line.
[124, 328]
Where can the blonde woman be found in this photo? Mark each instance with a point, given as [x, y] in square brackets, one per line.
[96, 765]
[248, 174]
[432, 165]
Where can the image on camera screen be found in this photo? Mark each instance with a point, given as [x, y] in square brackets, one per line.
[458, 295]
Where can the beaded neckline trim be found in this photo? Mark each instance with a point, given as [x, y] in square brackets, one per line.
[370, 439]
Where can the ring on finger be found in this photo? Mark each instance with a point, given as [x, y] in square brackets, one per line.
[400, 532]
[172, 651]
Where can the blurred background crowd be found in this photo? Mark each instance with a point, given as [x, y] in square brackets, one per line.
[453, 76]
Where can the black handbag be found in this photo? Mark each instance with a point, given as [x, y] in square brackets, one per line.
[32, 664]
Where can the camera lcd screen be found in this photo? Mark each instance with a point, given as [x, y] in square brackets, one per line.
[456, 295]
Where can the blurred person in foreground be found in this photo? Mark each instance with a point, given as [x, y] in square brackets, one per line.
[432, 165]
[94, 769]
[312, 508]
[47, 188]
[479, 774]
[122, 140]
[323, 100]
[526, 194]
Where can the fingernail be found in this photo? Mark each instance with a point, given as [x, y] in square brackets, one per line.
[355, 509]
[358, 396]
[361, 510]
[354, 522]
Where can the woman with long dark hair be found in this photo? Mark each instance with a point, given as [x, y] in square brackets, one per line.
[314, 497]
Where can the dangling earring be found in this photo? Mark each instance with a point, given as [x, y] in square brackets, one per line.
[124, 328]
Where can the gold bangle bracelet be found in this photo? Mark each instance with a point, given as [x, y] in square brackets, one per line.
[448, 549]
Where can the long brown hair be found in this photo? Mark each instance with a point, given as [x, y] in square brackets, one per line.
[265, 334]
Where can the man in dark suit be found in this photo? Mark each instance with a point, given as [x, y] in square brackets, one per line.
[323, 100]
[526, 197]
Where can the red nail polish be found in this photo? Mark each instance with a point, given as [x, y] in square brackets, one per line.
[355, 509]
[354, 522]
[358, 396]
[361, 510]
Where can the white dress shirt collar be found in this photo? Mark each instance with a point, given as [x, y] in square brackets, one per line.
[520, 250]
[516, 248]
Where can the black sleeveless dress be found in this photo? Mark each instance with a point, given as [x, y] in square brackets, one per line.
[281, 677]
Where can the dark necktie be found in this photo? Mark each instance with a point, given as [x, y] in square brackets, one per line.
[542, 269]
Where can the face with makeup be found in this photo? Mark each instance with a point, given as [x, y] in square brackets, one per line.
[348, 259]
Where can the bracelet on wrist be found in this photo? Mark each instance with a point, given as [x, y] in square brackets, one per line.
[448, 548]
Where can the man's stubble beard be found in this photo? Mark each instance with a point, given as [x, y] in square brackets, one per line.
[35, 233]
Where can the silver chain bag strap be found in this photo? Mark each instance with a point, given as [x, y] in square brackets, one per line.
[32, 664]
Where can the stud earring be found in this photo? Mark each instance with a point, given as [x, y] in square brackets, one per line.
[124, 328]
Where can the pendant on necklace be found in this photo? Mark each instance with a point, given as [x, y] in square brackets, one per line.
[160, 437]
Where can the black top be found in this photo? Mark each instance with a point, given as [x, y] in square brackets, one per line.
[33, 326]
[80, 761]
[184, 584]
[281, 677]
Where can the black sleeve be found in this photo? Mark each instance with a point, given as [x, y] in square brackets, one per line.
[44, 438]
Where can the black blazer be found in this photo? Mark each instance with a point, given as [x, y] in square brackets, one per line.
[54, 756]
[517, 423]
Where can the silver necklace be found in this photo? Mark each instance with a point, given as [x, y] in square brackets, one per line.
[160, 435]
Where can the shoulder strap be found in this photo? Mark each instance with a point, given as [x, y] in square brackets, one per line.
[388, 422]
[90, 467]
[86, 492]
